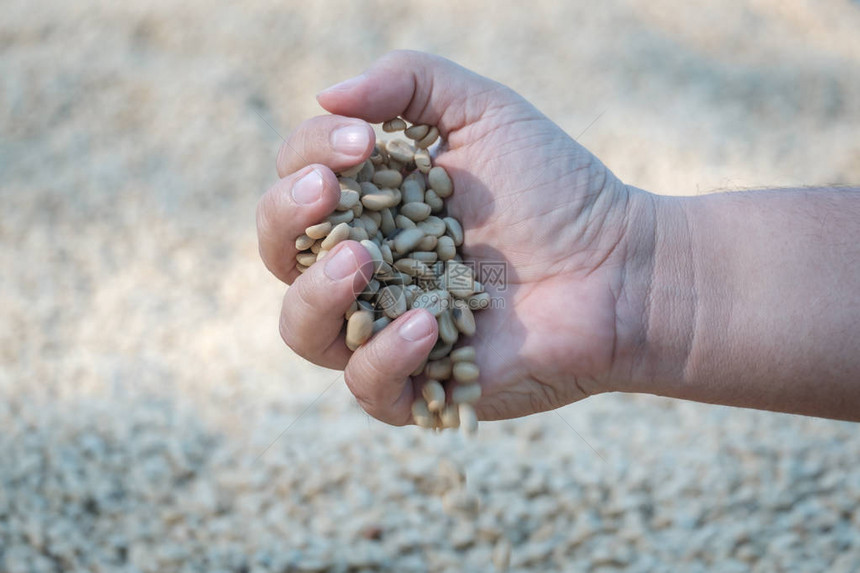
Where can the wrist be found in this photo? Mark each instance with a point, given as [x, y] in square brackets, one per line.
[742, 299]
[657, 307]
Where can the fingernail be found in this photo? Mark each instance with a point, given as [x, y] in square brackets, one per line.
[308, 189]
[341, 265]
[350, 139]
[419, 325]
[345, 85]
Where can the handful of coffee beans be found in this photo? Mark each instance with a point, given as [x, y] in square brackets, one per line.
[394, 205]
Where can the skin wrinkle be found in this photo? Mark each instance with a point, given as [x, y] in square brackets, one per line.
[427, 99]
[691, 265]
[640, 353]
[497, 158]
[330, 349]
[415, 82]
[490, 412]
[406, 397]
[486, 109]
[485, 118]
[307, 308]
[480, 138]
[286, 260]
[552, 159]
[616, 292]
[579, 387]
[493, 110]
[669, 332]
[571, 199]
[584, 216]
[617, 242]
[374, 358]
[566, 230]
[606, 257]
[506, 399]
[562, 259]
[282, 158]
[545, 392]
[508, 198]
[581, 231]
[403, 402]
[516, 198]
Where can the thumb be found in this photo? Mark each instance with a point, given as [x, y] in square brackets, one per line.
[420, 87]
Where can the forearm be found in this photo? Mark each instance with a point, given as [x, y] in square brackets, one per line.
[754, 300]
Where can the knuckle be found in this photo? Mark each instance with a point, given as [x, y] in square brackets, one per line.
[291, 155]
[363, 376]
[272, 265]
[282, 162]
[372, 360]
[265, 214]
[309, 141]
[288, 335]
[273, 207]
[299, 314]
[272, 245]
[358, 389]
[295, 309]
[316, 139]
[306, 301]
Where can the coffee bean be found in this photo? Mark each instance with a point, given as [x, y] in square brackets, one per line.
[359, 328]
[465, 372]
[465, 393]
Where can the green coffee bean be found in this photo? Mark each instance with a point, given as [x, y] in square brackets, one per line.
[439, 369]
[429, 139]
[393, 125]
[338, 234]
[387, 178]
[465, 372]
[359, 328]
[434, 394]
[415, 211]
[416, 131]
[407, 240]
[319, 231]
[465, 393]
[304, 242]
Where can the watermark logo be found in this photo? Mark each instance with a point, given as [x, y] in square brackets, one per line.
[494, 273]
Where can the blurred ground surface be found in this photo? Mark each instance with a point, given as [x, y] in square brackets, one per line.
[141, 374]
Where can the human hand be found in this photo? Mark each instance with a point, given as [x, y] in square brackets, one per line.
[528, 197]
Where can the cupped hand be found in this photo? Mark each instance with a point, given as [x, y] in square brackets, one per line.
[536, 207]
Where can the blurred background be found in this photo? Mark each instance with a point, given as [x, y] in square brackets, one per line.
[152, 420]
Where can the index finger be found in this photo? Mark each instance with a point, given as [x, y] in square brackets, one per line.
[333, 140]
[284, 212]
